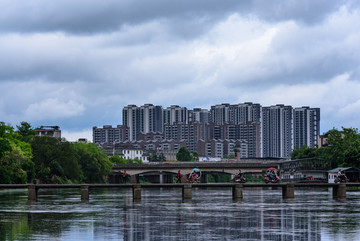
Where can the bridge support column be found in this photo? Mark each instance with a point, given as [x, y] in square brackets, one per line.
[133, 179]
[137, 193]
[32, 192]
[187, 192]
[161, 178]
[183, 179]
[85, 193]
[288, 190]
[339, 191]
[237, 191]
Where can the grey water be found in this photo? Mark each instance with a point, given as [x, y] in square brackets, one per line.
[110, 214]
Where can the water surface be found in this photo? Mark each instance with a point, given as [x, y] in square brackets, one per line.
[110, 214]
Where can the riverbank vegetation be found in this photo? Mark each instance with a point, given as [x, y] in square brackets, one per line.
[24, 156]
[342, 149]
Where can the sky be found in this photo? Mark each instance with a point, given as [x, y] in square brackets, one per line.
[76, 64]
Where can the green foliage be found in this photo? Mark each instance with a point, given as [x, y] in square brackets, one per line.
[303, 152]
[157, 158]
[25, 131]
[343, 149]
[6, 131]
[4, 147]
[135, 161]
[183, 154]
[95, 165]
[14, 153]
[230, 156]
[24, 156]
[195, 156]
[121, 160]
[118, 159]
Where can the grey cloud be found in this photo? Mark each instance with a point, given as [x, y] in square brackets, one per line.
[188, 17]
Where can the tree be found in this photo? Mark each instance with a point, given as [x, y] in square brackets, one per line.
[118, 159]
[4, 147]
[183, 154]
[26, 131]
[95, 165]
[14, 155]
[195, 156]
[303, 152]
[343, 149]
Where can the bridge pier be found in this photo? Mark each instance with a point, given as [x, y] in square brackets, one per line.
[339, 191]
[237, 191]
[183, 179]
[187, 192]
[85, 193]
[133, 179]
[136, 193]
[32, 192]
[161, 178]
[288, 191]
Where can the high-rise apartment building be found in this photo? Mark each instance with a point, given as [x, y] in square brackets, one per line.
[151, 118]
[220, 114]
[131, 119]
[266, 131]
[277, 131]
[245, 113]
[199, 115]
[146, 118]
[190, 133]
[176, 114]
[306, 126]
[110, 135]
[250, 133]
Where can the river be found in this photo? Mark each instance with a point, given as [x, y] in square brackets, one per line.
[110, 214]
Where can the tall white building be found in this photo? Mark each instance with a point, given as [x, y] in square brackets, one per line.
[151, 118]
[277, 131]
[220, 114]
[146, 118]
[199, 115]
[245, 113]
[306, 126]
[176, 114]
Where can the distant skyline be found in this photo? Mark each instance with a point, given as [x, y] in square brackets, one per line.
[76, 64]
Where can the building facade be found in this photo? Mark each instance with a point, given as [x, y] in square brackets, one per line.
[306, 126]
[109, 134]
[277, 131]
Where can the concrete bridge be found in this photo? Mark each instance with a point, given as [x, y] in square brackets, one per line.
[166, 170]
[288, 189]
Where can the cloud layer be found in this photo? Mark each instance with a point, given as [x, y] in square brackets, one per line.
[77, 64]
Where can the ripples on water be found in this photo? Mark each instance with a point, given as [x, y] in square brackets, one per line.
[110, 214]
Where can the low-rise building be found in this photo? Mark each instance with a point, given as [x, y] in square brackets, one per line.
[52, 131]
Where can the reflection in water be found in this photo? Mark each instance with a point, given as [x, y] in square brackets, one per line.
[110, 214]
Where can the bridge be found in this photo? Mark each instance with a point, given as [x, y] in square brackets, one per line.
[166, 170]
[288, 189]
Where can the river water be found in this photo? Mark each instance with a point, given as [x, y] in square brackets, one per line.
[110, 214]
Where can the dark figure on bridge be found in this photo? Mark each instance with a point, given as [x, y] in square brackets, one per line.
[178, 177]
[240, 174]
[124, 176]
[341, 175]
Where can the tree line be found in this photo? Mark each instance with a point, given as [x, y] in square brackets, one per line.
[342, 149]
[25, 156]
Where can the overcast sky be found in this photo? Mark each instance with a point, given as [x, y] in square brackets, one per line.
[76, 64]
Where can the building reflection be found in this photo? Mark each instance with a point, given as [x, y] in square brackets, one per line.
[196, 222]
